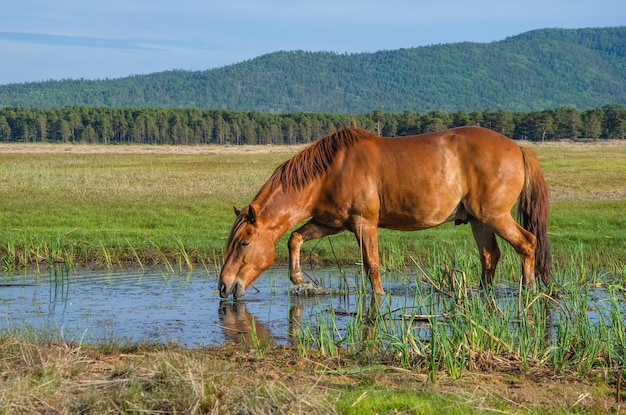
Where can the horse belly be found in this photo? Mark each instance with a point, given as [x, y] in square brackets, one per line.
[423, 196]
[419, 219]
[425, 210]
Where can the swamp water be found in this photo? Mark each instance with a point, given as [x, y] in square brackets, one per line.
[137, 306]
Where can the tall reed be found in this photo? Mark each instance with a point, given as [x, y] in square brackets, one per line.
[450, 326]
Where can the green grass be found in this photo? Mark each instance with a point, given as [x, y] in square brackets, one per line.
[115, 209]
[57, 206]
[365, 401]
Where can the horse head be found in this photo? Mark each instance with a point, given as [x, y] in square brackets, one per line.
[249, 252]
[240, 325]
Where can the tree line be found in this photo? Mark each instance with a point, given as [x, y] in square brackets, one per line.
[103, 125]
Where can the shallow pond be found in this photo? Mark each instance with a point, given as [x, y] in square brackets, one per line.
[155, 306]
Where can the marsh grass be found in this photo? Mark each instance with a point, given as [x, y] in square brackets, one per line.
[449, 330]
[450, 327]
[447, 325]
[382, 361]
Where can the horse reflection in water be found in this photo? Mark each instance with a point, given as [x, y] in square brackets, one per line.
[356, 181]
[240, 325]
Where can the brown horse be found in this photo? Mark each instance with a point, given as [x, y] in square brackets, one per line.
[354, 180]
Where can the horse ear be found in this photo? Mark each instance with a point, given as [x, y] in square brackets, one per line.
[251, 215]
[237, 211]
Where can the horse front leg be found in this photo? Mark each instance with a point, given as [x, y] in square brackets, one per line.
[310, 230]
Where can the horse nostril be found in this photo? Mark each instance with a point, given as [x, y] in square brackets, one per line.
[223, 290]
[235, 290]
[238, 290]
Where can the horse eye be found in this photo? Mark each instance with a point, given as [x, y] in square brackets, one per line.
[244, 244]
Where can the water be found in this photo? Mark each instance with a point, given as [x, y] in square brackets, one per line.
[159, 307]
[156, 306]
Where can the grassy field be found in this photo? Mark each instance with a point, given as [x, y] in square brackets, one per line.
[108, 206]
[172, 206]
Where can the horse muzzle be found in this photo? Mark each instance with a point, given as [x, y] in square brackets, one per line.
[236, 289]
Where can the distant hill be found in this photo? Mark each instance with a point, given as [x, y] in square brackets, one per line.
[541, 69]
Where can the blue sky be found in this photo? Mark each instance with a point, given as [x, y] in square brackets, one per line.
[94, 39]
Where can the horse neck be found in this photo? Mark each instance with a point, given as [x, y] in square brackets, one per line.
[280, 210]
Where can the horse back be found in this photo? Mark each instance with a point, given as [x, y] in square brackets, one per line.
[417, 182]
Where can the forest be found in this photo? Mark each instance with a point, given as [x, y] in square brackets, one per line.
[533, 71]
[80, 124]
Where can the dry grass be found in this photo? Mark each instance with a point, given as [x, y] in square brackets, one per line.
[584, 171]
[68, 378]
[38, 148]
[572, 168]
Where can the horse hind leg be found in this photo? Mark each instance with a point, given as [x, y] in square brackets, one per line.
[489, 251]
[366, 233]
[310, 230]
[522, 241]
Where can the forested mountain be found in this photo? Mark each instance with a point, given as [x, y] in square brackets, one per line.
[537, 70]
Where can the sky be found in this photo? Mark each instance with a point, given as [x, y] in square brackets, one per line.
[94, 39]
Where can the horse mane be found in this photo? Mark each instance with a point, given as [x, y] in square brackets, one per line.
[312, 162]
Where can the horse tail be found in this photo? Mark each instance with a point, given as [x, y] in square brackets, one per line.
[532, 209]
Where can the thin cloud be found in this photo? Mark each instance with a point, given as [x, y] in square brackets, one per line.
[100, 42]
